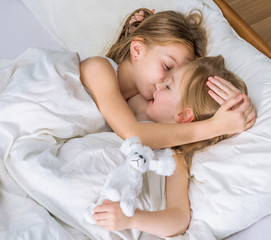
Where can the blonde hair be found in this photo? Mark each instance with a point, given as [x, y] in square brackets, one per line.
[162, 28]
[195, 95]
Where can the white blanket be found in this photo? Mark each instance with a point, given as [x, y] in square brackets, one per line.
[44, 112]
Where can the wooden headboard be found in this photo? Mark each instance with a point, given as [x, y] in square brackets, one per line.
[243, 29]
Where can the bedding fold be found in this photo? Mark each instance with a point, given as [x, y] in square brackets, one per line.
[57, 147]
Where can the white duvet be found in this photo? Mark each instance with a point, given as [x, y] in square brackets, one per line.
[44, 114]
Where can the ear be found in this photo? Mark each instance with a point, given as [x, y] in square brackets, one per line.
[185, 116]
[136, 48]
[129, 144]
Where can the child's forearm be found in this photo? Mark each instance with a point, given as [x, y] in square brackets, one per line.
[164, 223]
[227, 120]
[157, 135]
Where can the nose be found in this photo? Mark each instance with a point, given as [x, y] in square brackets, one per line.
[158, 86]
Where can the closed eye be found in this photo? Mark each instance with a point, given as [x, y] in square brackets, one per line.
[166, 67]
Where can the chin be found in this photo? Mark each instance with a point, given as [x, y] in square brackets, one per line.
[148, 96]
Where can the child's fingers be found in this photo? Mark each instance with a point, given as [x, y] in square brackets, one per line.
[250, 123]
[250, 112]
[133, 19]
[232, 102]
[251, 120]
[243, 107]
[224, 85]
[140, 13]
[139, 17]
[222, 80]
[217, 90]
[104, 223]
[218, 99]
[105, 207]
[100, 216]
[222, 88]
[108, 202]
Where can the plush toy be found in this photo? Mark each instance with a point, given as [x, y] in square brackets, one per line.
[124, 184]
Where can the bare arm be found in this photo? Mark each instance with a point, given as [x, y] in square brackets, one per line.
[174, 220]
[100, 78]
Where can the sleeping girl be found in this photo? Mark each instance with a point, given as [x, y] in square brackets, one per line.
[151, 54]
[182, 99]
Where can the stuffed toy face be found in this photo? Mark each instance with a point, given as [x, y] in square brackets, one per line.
[140, 159]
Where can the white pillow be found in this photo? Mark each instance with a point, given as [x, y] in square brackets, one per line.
[230, 188]
[88, 27]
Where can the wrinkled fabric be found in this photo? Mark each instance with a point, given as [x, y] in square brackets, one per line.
[58, 148]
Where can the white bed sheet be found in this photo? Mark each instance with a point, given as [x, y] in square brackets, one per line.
[20, 30]
[259, 230]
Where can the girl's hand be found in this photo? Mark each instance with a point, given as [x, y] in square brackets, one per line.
[242, 114]
[137, 17]
[234, 116]
[110, 216]
[221, 90]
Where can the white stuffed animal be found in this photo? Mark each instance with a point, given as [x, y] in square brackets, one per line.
[124, 184]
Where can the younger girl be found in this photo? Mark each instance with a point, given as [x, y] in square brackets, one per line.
[151, 54]
[184, 98]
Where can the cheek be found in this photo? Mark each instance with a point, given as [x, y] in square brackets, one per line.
[162, 106]
[154, 74]
[168, 105]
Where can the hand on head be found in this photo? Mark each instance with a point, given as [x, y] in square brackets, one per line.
[236, 103]
[138, 17]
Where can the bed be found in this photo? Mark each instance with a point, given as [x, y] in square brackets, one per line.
[44, 190]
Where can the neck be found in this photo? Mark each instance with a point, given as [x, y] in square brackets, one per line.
[126, 80]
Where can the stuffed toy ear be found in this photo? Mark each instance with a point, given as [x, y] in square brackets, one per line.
[165, 165]
[128, 145]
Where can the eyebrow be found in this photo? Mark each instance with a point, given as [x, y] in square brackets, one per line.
[172, 58]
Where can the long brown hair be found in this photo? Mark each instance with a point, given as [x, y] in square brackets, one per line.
[195, 95]
[162, 28]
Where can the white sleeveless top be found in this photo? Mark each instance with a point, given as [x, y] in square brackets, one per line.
[113, 64]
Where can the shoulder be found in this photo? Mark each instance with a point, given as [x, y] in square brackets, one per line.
[96, 63]
[96, 67]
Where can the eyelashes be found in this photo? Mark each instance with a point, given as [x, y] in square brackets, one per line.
[166, 67]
